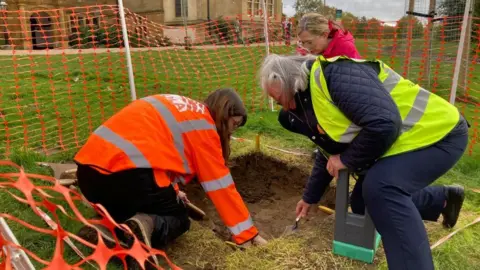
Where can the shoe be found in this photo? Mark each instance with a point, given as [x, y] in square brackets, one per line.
[90, 235]
[455, 196]
[142, 226]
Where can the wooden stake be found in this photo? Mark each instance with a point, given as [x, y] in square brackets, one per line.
[257, 143]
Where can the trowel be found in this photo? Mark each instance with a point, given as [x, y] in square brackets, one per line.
[292, 228]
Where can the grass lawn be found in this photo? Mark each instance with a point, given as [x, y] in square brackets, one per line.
[51, 104]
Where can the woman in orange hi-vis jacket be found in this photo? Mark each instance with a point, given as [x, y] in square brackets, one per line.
[132, 163]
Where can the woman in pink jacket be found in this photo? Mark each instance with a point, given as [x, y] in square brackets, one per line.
[319, 36]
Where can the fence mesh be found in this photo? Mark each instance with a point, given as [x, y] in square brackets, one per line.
[61, 208]
[64, 70]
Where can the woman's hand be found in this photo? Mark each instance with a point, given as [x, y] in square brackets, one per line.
[302, 209]
[182, 196]
[256, 241]
[259, 241]
[334, 165]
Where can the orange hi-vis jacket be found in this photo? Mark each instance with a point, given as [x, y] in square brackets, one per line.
[177, 138]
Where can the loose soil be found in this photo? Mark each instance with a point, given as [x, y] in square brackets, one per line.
[269, 187]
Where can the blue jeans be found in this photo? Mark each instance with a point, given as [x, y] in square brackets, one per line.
[398, 197]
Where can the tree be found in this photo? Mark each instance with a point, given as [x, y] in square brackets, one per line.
[374, 28]
[306, 6]
[403, 25]
[388, 32]
[350, 22]
[317, 6]
[453, 10]
[451, 7]
[456, 8]
[362, 26]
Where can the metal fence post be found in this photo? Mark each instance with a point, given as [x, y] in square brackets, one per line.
[458, 63]
[19, 258]
[267, 42]
[123, 23]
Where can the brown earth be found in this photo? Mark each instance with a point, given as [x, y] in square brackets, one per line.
[270, 188]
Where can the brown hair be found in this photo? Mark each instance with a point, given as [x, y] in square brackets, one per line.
[222, 104]
[317, 24]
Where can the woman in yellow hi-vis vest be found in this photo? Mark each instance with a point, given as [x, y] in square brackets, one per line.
[396, 136]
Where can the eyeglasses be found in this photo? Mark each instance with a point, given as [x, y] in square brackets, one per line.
[307, 43]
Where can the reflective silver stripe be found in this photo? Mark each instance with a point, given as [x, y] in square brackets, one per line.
[350, 133]
[392, 80]
[217, 184]
[127, 147]
[242, 226]
[179, 179]
[317, 77]
[173, 126]
[353, 129]
[191, 125]
[317, 80]
[417, 110]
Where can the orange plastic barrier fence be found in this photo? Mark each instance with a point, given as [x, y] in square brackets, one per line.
[64, 70]
[44, 192]
[64, 73]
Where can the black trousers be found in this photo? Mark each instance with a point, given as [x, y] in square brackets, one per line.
[125, 193]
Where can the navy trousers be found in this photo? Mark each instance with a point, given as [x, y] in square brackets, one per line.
[398, 197]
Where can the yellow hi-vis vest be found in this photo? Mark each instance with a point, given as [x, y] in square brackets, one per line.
[426, 117]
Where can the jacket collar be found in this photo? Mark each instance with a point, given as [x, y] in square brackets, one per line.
[310, 64]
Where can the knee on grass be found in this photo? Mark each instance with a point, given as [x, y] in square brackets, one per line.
[169, 228]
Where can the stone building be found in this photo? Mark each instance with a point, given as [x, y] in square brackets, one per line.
[169, 12]
[198, 12]
[41, 24]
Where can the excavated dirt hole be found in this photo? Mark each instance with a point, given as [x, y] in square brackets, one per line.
[270, 188]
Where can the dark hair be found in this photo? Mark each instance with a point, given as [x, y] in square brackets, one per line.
[223, 104]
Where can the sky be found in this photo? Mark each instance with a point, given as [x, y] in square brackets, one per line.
[385, 10]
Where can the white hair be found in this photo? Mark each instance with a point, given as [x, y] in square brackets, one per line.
[289, 70]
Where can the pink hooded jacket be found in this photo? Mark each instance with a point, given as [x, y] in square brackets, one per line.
[342, 43]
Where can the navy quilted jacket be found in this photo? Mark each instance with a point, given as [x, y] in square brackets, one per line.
[357, 92]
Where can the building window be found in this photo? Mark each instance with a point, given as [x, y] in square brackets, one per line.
[269, 4]
[73, 24]
[141, 26]
[81, 21]
[92, 22]
[254, 7]
[178, 8]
